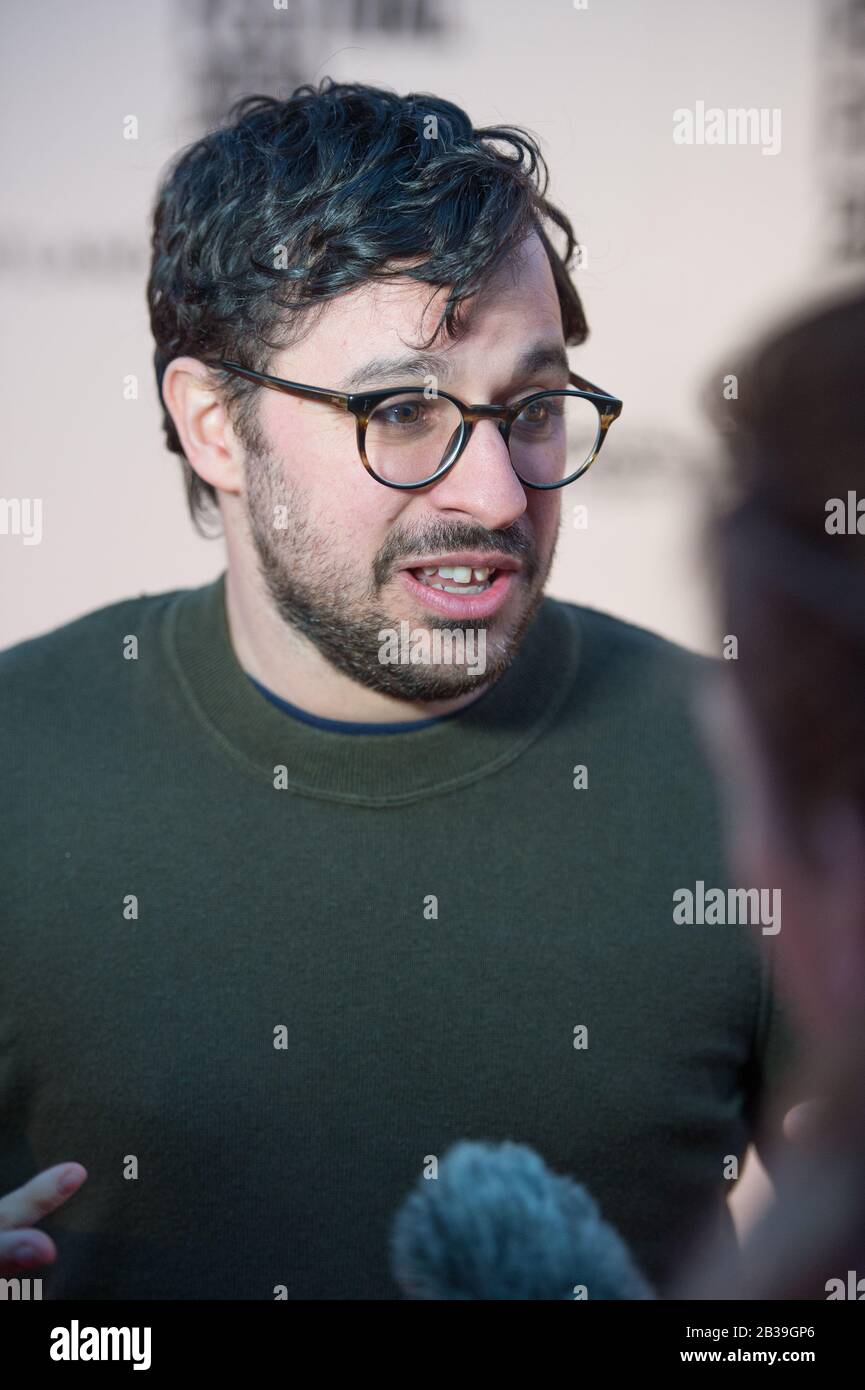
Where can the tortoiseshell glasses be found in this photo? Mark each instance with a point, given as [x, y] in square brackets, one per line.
[411, 437]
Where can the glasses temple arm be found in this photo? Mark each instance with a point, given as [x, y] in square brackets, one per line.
[584, 385]
[294, 388]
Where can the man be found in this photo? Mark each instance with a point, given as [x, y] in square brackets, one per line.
[296, 896]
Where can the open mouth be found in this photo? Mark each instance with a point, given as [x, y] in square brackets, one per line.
[456, 579]
[463, 585]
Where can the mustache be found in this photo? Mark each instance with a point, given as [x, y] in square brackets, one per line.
[442, 537]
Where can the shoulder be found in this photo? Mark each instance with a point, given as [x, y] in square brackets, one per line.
[613, 651]
[58, 671]
[633, 699]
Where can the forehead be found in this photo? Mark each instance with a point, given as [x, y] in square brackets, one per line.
[400, 313]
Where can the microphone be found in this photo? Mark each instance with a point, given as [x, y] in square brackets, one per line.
[498, 1224]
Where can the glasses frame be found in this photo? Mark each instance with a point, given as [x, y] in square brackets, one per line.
[361, 405]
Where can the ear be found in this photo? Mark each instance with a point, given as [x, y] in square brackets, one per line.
[201, 420]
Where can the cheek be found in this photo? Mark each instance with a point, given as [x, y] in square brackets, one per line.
[319, 454]
[544, 510]
[314, 444]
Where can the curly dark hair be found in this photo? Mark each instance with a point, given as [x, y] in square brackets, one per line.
[290, 203]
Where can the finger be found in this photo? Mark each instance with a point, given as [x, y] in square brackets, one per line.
[25, 1249]
[41, 1195]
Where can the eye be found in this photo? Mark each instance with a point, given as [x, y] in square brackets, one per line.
[411, 414]
[399, 413]
[535, 413]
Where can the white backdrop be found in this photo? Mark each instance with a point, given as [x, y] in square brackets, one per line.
[686, 249]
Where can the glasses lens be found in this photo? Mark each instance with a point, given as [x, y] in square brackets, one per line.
[409, 437]
[552, 437]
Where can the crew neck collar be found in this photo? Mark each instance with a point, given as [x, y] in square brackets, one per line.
[367, 769]
[348, 726]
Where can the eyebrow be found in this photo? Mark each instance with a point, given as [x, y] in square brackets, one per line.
[539, 357]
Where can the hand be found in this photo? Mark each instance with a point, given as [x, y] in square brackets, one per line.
[28, 1204]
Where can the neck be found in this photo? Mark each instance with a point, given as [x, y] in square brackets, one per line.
[290, 666]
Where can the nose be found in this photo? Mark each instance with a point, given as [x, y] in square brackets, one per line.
[482, 482]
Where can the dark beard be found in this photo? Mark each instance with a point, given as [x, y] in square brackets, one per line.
[314, 600]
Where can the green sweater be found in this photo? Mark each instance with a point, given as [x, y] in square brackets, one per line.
[253, 974]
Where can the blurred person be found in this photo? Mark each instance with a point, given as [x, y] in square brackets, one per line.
[283, 919]
[786, 720]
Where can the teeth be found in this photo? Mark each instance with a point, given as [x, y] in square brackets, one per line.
[460, 588]
[462, 576]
